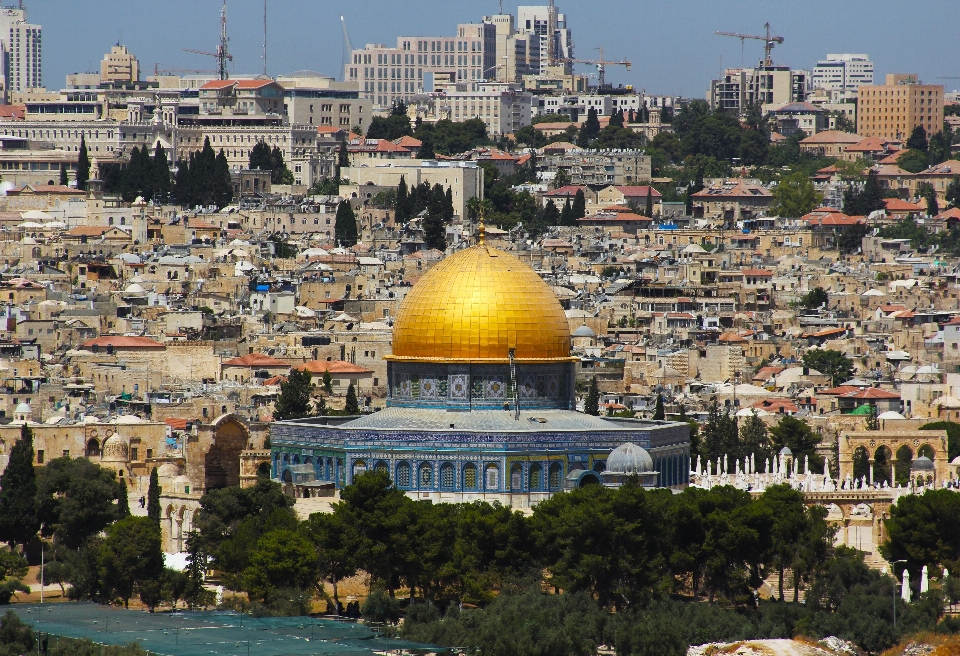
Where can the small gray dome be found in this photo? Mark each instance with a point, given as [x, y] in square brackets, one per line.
[22, 409]
[785, 451]
[584, 331]
[923, 463]
[629, 458]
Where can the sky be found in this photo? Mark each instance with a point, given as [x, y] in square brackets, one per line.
[671, 43]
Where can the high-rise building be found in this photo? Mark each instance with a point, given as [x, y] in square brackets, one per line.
[387, 75]
[764, 86]
[119, 65]
[894, 109]
[20, 43]
[536, 20]
[843, 73]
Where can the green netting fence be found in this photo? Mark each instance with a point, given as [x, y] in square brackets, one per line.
[209, 633]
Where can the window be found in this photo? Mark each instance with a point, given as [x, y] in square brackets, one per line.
[446, 476]
[66, 453]
[536, 477]
[426, 475]
[149, 454]
[134, 453]
[403, 474]
[359, 467]
[556, 471]
[492, 477]
[516, 477]
[470, 477]
[40, 457]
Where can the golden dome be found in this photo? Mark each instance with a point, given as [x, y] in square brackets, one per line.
[476, 305]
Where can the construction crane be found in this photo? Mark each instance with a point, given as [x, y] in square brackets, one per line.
[222, 55]
[769, 42]
[601, 65]
[347, 48]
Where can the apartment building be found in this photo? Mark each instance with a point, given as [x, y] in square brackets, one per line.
[387, 75]
[739, 88]
[465, 179]
[892, 110]
[536, 20]
[843, 73]
[504, 108]
[331, 108]
[603, 167]
[119, 65]
[21, 44]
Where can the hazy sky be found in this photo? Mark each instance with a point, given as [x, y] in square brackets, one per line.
[670, 42]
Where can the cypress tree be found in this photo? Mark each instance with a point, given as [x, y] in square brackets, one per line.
[433, 225]
[426, 147]
[566, 215]
[448, 211]
[19, 520]
[591, 404]
[83, 165]
[579, 205]
[277, 166]
[649, 202]
[222, 182]
[260, 156]
[590, 129]
[402, 213]
[658, 413]
[153, 497]
[160, 173]
[551, 215]
[617, 118]
[352, 406]
[345, 228]
[294, 399]
[123, 503]
[64, 180]
[343, 157]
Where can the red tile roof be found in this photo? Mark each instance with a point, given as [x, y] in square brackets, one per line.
[760, 273]
[569, 190]
[176, 423]
[897, 205]
[636, 191]
[333, 366]
[254, 360]
[871, 393]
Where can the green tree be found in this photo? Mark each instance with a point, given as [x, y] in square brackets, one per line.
[566, 215]
[222, 182]
[434, 229]
[380, 607]
[851, 238]
[866, 200]
[590, 129]
[343, 157]
[579, 205]
[924, 529]
[815, 298]
[345, 226]
[15, 636]
[953, 192]
[153, 497]
[842, 123]
[799, 438]
[831, 363]
[352, 406]
[123, 502]
[293, 402]
[720, 434]
[64, 180]
[131, 556]
[19, 520]
[336, 543]
[561, 179]
[281, 559]
[591, 404]
[77, 500]
[327, 382]
[658, 413]
[918, 139]
[794, 196]
[194, 593]
[928, 193]
[648, 211]
[13, 567]
[160, 173]
[788, 526]
[912, 161]
[260, 157]
[83, 165]
[551, 215]
[939, 148]
[755, 438]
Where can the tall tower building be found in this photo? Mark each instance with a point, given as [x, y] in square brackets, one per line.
[843, 73]
[21, 44]
[119, 65]
[536, 20]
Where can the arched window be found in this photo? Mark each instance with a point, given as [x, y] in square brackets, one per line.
[536, 477]
[470, 476]
[403, 474]
[426, 475]
[516, 477]
[359, 467]
[93, 448]
[599, 466]
[556, 473]
[447, 476]
[491, 477]
[381, 467]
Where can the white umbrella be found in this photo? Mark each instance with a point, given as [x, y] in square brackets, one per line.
[905, 592]
[924, 581]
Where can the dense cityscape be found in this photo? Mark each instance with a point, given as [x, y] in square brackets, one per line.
[462, 349]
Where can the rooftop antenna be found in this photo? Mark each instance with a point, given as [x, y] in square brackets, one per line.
[264, 38]
[222, 54]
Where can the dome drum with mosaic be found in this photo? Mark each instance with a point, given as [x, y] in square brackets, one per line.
[481, 399]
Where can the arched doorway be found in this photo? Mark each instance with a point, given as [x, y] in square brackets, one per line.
[222, 461]
[861, 463]
[882, 465]
[901, 468]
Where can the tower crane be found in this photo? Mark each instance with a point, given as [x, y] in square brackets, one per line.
[222, 55]
[769, 42]
[168, 70]
[601, 64]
